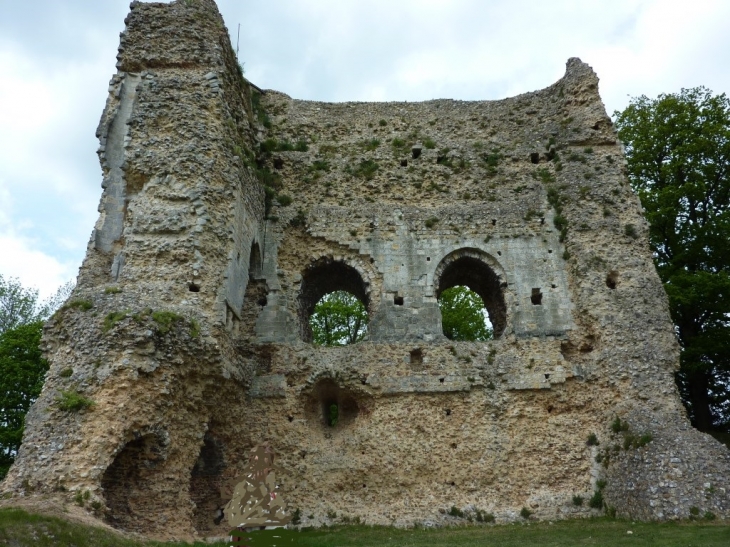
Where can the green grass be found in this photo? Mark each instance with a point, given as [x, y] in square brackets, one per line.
[21, 529]
[73, 401]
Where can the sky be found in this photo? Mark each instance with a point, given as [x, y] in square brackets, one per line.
[56, 60]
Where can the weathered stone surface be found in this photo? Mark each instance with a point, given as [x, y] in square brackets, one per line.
[424, 424]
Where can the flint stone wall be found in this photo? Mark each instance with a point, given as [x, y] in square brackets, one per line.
[196, 348]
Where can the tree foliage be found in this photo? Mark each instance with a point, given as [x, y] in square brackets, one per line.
[22, 370]
[22, 367]
[20, 305]
[339, 319]
[463, 315]
[678, 152]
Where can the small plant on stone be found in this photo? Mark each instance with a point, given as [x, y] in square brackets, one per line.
[320, 165]
[370, 144]
[578, 501]
[709, 515]
[301, 146]
[66, 373]
[525, 513]
[543, 174]
[165, 320]
[431, 222]
[382, 123]
[617, 425]
[112, 290]
[456, 512]
[592, 440]
[333, 415]
[596, 501]
[284, 200]
[112, 318]
[296, 517]
[694, 512]
[72, 401]
[630, 231]
[366, 169]
[83, 305]
[429, 143]
[300, 219]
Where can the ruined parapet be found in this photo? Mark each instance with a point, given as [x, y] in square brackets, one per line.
[189, 326]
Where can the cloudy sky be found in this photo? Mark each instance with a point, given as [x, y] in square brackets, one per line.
[56, 59]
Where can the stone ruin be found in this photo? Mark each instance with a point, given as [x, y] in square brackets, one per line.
[228, 212]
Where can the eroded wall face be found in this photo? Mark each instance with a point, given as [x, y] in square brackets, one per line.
[146, 340]
[524, 200]
[187, 342]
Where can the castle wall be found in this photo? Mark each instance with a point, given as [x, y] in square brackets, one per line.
[196, 346]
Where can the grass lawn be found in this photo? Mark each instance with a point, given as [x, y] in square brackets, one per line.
[20, 529]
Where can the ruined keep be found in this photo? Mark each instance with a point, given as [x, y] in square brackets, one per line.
[227, 213]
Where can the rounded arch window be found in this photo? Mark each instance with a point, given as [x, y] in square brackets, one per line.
[470, 291]
[333, 304]
[254, 262]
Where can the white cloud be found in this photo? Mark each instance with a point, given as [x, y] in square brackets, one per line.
[21, 258]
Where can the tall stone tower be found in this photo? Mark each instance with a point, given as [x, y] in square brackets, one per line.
[227, 213]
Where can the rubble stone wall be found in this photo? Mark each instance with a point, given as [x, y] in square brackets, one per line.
[226, 213]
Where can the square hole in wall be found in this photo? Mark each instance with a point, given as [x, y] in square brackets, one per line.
[398, 300]
[417, 356]
[536, 297]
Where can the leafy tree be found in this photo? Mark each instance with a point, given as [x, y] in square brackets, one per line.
[338, 319]
[678, 151]
[22, 367]
[463, 315]
[18, 305]
[22, 370]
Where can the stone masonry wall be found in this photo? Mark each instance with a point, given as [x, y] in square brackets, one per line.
[226, 213]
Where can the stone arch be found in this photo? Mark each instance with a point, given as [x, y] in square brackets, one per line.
[205, 482]
[255, 270]
[482, 274]
[327, 275]
[325, 389]
[127, 482]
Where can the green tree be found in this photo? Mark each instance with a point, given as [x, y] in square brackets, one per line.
[22, 371]
[22, 367]
[463, 315]
[338, 319]
[18, 305]
[678, 152]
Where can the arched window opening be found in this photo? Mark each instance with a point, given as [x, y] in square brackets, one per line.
[463, 279]
[254, 262]
[333, 304]
[463, 315]
[339, 319]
